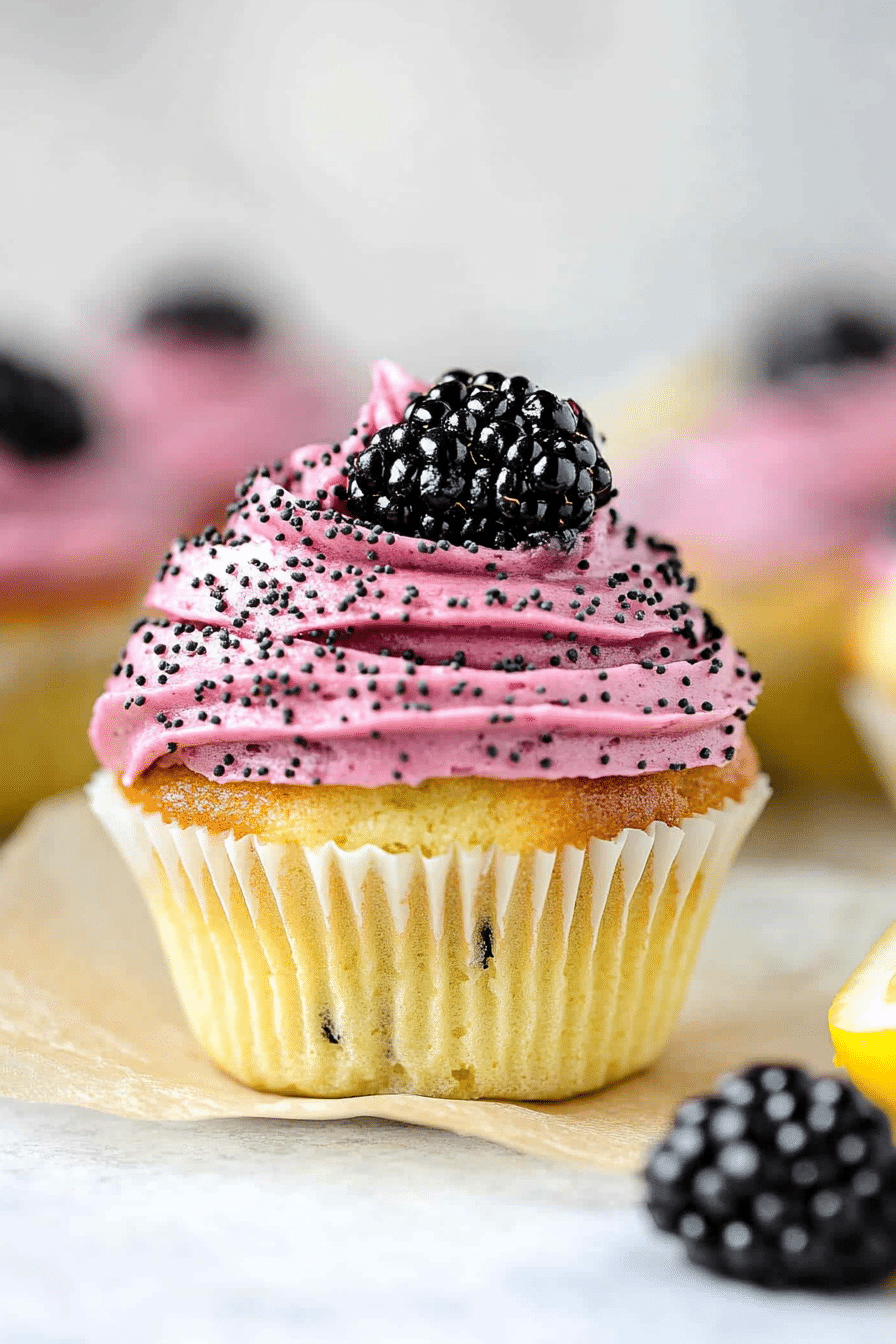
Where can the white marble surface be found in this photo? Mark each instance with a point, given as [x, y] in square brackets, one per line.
[361, 1230]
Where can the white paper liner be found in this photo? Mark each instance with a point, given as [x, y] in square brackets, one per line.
[873, 714]
[325, 972]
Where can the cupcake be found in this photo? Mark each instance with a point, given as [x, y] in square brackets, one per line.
[431, 769]
[76, 548]
[203, 390]
[869, 691]
[772, 503]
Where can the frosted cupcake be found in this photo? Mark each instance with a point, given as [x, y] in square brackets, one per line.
[772, 503]
[431, 770]
[77, 538]
[201, 390]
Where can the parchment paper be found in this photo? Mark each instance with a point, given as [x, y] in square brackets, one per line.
[88, 1016]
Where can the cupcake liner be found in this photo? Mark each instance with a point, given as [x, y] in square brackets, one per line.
[873, 714]
[326, 972]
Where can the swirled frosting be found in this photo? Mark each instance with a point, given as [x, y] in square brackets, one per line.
[303, 647]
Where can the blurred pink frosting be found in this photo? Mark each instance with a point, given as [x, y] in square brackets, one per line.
[778, 478]
[74, 524]
[184, 421]
[194, 416]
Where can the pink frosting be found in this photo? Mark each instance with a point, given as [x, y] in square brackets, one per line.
[70, 524]
[780, 477]
[196, 415]
[185, 419]
[302, 647]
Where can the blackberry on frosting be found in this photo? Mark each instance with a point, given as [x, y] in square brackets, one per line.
[41, 418]
[480, 720]
[484, 458]
[377, 649]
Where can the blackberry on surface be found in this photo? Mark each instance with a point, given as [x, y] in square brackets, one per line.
[825, 341]
[781, 1179]
[209, 315]
[41, 418]
[483, 458]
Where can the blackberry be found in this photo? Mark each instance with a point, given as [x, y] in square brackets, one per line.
[488, 378]
[583, 424]
[781, 1179]
[485, 458]
[428, 410]
[41, 418]
[205, 315]
[823, 341]
[545, 411]
[517, 389]
[487, 405]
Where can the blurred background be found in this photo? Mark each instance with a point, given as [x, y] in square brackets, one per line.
[579, 190]
[678, 211]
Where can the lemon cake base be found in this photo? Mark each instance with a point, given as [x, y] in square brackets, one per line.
[477, 971]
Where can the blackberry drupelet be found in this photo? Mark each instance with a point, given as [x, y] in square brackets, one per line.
[781, 1179]
[41, 418]
[826, 340]
[483, 458]
[206, 315]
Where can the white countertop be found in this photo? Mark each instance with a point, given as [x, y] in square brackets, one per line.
[269, 1231]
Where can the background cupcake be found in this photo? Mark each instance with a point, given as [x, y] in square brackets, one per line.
[431, 769]
[77, 536]
[196, 394]
[202, 388]
[772, 503]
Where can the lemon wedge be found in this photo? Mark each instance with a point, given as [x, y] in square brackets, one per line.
[862, 1022]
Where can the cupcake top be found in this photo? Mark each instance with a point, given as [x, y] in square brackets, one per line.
[200, 391]
[69, 512]
[447, 592]
[796, 469]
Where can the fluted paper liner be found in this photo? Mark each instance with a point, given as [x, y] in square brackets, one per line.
[88, 1015]
[326, 972]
